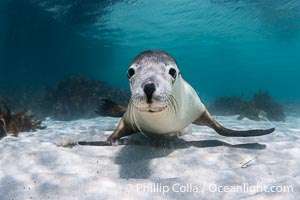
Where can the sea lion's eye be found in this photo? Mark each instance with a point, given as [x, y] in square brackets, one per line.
[172, 72]
[130, 72]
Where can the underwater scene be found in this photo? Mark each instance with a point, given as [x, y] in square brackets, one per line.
[149, 99]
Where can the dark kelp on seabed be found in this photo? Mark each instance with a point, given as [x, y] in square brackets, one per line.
[260, 107]
[19, 122]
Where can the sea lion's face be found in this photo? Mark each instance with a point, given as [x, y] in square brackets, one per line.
[151, 83]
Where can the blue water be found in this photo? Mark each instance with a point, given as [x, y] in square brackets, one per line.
[223, 47]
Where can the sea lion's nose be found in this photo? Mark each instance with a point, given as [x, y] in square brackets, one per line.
[149, 89]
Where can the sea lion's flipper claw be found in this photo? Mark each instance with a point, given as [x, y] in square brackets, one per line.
[207, 120]
[112, 141]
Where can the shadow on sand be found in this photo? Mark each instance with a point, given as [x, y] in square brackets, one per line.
[137, 151]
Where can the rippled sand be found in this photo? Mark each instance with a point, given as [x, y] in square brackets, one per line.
[201, 165]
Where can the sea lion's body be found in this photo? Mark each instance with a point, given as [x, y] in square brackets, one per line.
[163, 103]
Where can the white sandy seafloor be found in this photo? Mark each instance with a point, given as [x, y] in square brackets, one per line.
[206, 166]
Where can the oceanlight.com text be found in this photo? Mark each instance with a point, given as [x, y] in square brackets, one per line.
[202, 188]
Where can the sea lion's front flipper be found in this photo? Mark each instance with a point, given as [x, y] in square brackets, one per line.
[123, 129]
[207, 120]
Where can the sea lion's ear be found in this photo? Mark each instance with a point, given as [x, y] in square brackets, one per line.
[111, 109]
[207, 120]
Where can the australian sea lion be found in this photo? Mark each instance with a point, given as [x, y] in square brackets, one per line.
[162, 102]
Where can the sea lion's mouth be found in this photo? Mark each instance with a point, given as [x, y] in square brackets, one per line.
[152, 109]
[155, 106]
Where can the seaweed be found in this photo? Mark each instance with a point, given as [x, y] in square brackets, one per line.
[263, 101]
[248, 110]
[2, 126]
[260, 107]
[78, 97]
[16, 123]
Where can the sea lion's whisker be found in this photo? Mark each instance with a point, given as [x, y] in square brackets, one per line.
[174, 103]
[171, 105]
